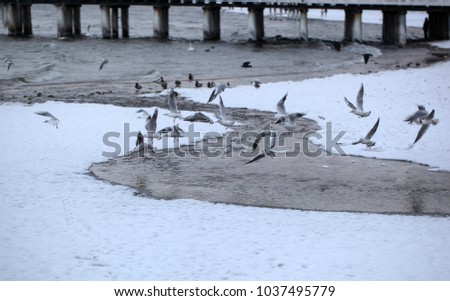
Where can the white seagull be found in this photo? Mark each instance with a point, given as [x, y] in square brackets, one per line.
[418, 115]
[172, 101]
[358, 110]
[53, 120]
[144, 114]
[219, 89]
[280, 105]
[174, 132]
[141, 150]
[222, 118]
[104, 62]
[425, 124]
[289, 120]
[366, 140]
[267, 151]
[150, 126]
[198, 117]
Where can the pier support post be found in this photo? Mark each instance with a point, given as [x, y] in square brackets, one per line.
[303, 24]
[211, 22]
[124, 20]
[439, 25]
[161, 21]
[394, 27]
[17, 18]
[256, 22]
[106, 22]
[115, 22]
[353, 25]
[64, 21]
[76, 20]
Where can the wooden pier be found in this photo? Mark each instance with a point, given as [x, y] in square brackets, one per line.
[16, 16]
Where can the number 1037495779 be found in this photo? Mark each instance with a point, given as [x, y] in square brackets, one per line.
[299, 290]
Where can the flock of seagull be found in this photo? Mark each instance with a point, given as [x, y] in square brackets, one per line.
[421, 117]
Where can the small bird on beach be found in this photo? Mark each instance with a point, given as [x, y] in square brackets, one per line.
[417, 116]
[198, 117]
[358, 110]
[256, 83]
[190, 77]
[197, 84]
[137, 87]
[103, 63]
[177, 83]
[366, 57]
[53, 120]
[366, 140]
[141, 150]
[219, 89]
[246, 64]
[425, 125]
[190, 48]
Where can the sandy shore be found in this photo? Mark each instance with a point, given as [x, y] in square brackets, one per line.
[324, 182]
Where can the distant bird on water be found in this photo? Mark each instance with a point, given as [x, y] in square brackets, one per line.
[366, 57]
[366, 140]
[425, 124]
[358, 110]
[246, 64]
[104, 62]
[197, 84]
[190, 77]
[53, 120]
[177, 83]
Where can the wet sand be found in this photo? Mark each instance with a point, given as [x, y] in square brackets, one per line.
[325, 182]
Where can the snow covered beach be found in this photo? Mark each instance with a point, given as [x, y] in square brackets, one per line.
[60, 223]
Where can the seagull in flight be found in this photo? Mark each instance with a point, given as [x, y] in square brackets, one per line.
[198, 117]
[222, 117]
[280, 105]
[219, 89]
[53, 120]
[172, 131]
[289, 121]
[425, 124]
[141, 150]
[104, 62]
[366, 140]
[267, 151]
[417, 116]
[358, 110]
[150, 126]
[172, 101]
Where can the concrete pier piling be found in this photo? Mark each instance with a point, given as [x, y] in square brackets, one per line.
[439, 25]
[394, 27]
[115, 22]
[303, 24]
[106, 21]
[17, 18]
[211, 22]
[76, 20]
[68, 20]
[353, 25]
[161, 21]
[124, 21]
[256, 22]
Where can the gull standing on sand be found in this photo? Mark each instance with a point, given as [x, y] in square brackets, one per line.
[222, 117]
[418, 115]
[172, 101]
[426, 124]
[358, 110]
[104, 62]
[366, 140]
[219, 89]
[267, 151]
[53, 120]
